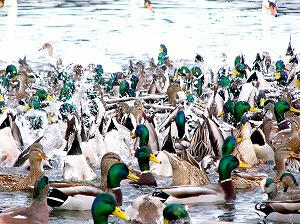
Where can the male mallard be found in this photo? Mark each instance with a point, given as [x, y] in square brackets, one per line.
[145, 209]
[37, 212]
[79, 196]
[144, 155]
[142, 132]
[288, 182]
[14, 182]
[223, 192]
[105, 205]
[174, 213]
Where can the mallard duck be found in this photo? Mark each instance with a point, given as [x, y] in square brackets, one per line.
[105, 205]
[281, 157]
[79, 195]
[288, 182]
[173, 213]
[145, 209]
[37, 212]
[142, 132]
[172, 92]
[223, 192]
[184, 173]
[286, 202]
[144, 155]
[14, 182]
[56, 62]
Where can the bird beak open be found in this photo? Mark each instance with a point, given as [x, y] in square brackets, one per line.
[149, 6]
[153, 158]
[132, 176]
[119, 213]
[273, 9]
[244, 165]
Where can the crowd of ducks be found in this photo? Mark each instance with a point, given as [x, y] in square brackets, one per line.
[152, 120]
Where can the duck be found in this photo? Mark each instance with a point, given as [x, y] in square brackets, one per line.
[37, 212]
[288, 182]
[142, 132]
[139, 3]
[269, 7]
[184, 173]
[145, 209]
[285, 202]
[14, 182]
[80, 195]
[55, 62]
[224, 191]
[104, 205]
[144, 155]
[175, 213]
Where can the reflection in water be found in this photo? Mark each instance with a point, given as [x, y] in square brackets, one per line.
[228, 212]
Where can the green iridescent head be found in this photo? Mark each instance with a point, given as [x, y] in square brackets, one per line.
[279, 65]
[103, 206]
[117, 173]
[229, 145]
[190, 98]
[11, 70]
[67, 91]
[64, 76]
[142, 132]
[35, 102]
[42, 94]
[288, 181]
[240, 108]
[224, 82]
[241, 69]
[144, 155]
[238, 60]
[196, 71]
[227, 164]
[124, 87]
[184, 71]
[180, 123]
[229, 107]
[41, 187]
[175, 212]
[280, 108]
[99, 70]
[111, 82]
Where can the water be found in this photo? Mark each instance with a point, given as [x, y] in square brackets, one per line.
[112, 32]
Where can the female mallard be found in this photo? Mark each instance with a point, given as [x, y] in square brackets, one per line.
[144, 155]
[79, 196]
[14, 182]
[105, 205]
[37, 212]
[145, 209]
[172, 91]
[225, 190]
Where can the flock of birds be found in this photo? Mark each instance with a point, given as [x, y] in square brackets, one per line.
[186, 119]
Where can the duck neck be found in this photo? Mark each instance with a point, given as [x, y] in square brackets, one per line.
[144, 140]
[228, 189]
[100, 219]
[144, 164]
[117, 193]
[273, 194]
[35, 169]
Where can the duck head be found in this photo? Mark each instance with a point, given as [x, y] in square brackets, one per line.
[260, 99]
[142, 132]
[240, 108]
[43, 95]
[228, 145]
[175, 212]
[224, 82]
[11, 71]
[281, 77]
[269, 7]
[124, 88]
[67, 91]
[148, 5]
[134, 81]
[36, 155]
[180, 123]
[103, 206]
[288, 181]
[227, 108]
[280, 108]
[118, 172]
[196, 71]
[163, 49]
[111, 82]
[144, 155]
[227, 164]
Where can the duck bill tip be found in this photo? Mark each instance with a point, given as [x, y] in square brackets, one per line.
[133, 177]
[119, 213]
[154, 159]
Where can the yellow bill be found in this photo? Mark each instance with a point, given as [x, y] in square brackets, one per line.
[244, 165]
[119, 213]
[221, 113]
[261, 102]
[294, 110]
[277, 76]
[1, 97]
[253, 109]
[44, 157]
[294, 155]
[26, 107]
[235, 73]
[50, 98]
[166, 221]
[176, 77]
[132, 176]
[202, 105]
[133, 136]
[243, 128]
[153, 158]
[297, 83]
[238, 140]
